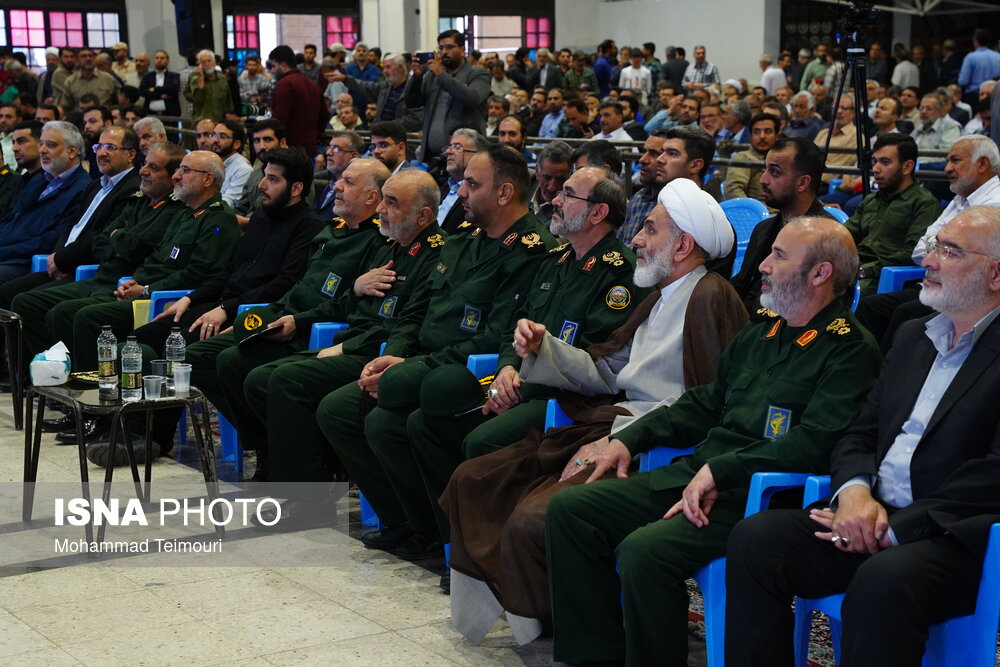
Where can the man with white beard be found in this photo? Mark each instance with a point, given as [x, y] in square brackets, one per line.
[496, 503]
[786, 388]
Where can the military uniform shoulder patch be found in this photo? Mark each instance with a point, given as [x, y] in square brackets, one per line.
[614, 258]
[509, 241]
[137, 194]
[773, 331]
[589, 264]
[414, 249]
[777, 422]
[217, 204]
[559, 248]
[565, 256]
[840, 326]
[618, 297]
[806, 337]
[436, 240]
[465, 224]
[4, 171]
[764, 313]
[198, 213]
[531, 240]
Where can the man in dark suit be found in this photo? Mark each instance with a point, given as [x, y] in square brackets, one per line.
[464, 144]
[916, 480]
[99, 204]
[674, 66]
[387, 93]
[545, 73]
[343, 147]
[453, 93]
[161, 88]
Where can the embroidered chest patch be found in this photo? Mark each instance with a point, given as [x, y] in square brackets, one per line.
[777, 423]
[331, 284]
[471, 319]
[568, 332]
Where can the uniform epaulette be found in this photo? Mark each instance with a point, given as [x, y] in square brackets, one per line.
[4, 171]
[558, 248]
[465, 224]
[217, 204]
[614, 258]
[436, 240]
[764, 314]
[841, 328]
[377, 222]
[138, 194]
[532, 240]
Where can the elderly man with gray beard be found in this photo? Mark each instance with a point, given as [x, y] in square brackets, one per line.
[496, 503]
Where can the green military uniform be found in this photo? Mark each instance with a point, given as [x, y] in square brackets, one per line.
[781, 398]
[196, 244]
[579, 300]
[211, 101]
[477, 290]
[10, 185]
[285, 392]
[219, 367]
[886, 228]
[121, 247]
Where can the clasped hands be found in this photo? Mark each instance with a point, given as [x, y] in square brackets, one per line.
[860, 523]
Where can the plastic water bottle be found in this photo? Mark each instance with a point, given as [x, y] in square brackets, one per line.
[107, 354]
[174, 349]
[131, 371]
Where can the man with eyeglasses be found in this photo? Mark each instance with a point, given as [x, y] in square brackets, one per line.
[464, 144]
[227, 143]
[972, 165]
[388, 145]
[935, 131]
[452, 92]
[914, 481]
[344, 146]
[99, 204]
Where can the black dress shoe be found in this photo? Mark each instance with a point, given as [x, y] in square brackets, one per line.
[94, 430]
[100, 454]
[445, 583]
[59, 424]
[420, 547]
[297, 515]
[389, 538]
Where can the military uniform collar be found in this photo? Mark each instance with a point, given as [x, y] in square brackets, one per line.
[833, 320]
[605, 251]
[213, 202]
[520, 233]
[341, 225]
[431, 236]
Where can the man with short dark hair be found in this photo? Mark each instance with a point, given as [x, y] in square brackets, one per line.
[643, 199]
[10, 115]
[161, 88]
[296, 101]
[309, 66]
[700, 73]
[610, 117]
[388, 145]
[889, 222]
[577, 124]
[268, 134]
[87, 80]
[745, 181]
[789, 183]
[465, 143]
[452, 91]
[551, 171]
[511, 132]
[983, 64]
[254, 83]
[26, 138]
[227, 142]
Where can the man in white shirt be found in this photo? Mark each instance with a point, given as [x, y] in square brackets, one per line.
[611, 117]
[636, 77]
[773, 77]
[227, 142]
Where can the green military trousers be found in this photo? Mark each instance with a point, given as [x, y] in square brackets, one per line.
[587, 528]
[285, 394]
[86, 326]
[48, 314]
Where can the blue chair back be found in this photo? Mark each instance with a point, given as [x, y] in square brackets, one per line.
[744, 214]
[837, 213]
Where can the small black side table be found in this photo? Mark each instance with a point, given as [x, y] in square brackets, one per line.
[84, 399]
[11, 323]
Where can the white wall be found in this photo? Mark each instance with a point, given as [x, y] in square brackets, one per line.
[734, 35]
[152, 26]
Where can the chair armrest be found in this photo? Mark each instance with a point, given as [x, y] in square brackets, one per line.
[554, 416]
[322, 333]
[85, 271]
[159, 300]
[39, 263]
[817, 488]
[658, 457]
[248, 306]
[482, 365]
[763, 485]
[891, 278]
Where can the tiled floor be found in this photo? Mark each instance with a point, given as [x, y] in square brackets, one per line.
[372, 610]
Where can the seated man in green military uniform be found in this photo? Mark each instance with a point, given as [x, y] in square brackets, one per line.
[219, 366]
[786, 388]
[583, 290]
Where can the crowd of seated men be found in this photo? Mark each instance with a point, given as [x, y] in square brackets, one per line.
[628, 312]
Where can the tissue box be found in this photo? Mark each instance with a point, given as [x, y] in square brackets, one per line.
[51, 367]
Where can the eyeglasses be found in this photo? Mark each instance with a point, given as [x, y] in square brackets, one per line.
[459, 147]
[567, 195]
[220, 135]
[185, 170]
[380, 144]
[338, 149]
[948, 251]
[107, 147]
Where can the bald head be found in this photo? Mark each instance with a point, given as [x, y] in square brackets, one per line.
[199, 178]
[409, 204]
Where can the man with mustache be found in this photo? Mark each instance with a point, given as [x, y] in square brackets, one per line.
[786, 388]
[792, 170]
[496, 503]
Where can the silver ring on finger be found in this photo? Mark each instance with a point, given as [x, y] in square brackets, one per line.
[846, 541]
[494, 393]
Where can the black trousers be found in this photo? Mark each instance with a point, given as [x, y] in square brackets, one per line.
[891, 598]
[12, 288]
[882, 314]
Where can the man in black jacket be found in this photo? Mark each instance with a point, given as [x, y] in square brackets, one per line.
[100, 203]
[161, 88]
[915, 480]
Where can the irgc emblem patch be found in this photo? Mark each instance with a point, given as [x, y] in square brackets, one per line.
[777, 423]
[388, 307]
[618, 297]
[252, 322]
[471, 319]
[331, 284]
[568, 332]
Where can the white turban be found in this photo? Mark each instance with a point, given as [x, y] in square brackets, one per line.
[695, 211]
[735, 84]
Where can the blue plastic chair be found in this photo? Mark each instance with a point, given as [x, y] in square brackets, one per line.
[554, 416]
[963, 641]
[160, 299]
[892, 278]
[837, 213]
[39, 263]
[248, 306]
[85, 271]
[857, 297]
[744, 214]
[322, 333]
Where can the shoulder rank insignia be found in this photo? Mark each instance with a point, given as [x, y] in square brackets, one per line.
[471, 319]
[509, 241]
[614, 258]
[774, 330]
[137, 194]
[558, 248]
[377, 222]
[465, 225]
[777, 422]
[341, 224]
[414, 249]
[806, 338]
[158, 204]
[435, 240]
[198, 213]
[839, 326]
[590, 264]
[568, 332]
[475, 232]
[4, 171]
[618, 297]
[764, 312]
[217, 204]
[531, 240]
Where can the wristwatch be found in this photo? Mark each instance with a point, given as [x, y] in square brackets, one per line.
[145, 291]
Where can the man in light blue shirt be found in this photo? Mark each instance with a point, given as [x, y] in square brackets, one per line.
[916, 479]
[983, 64]
[552, 120]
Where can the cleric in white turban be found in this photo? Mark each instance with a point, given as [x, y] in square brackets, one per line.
[695, 211]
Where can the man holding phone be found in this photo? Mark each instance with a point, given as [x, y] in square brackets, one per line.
[207, 90]
[452, 91]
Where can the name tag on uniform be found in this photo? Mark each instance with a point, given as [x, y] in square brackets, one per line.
[388, 307]
[471, 319]
[331, 284]
[175, 252]
[568, 332]
[778, 420]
